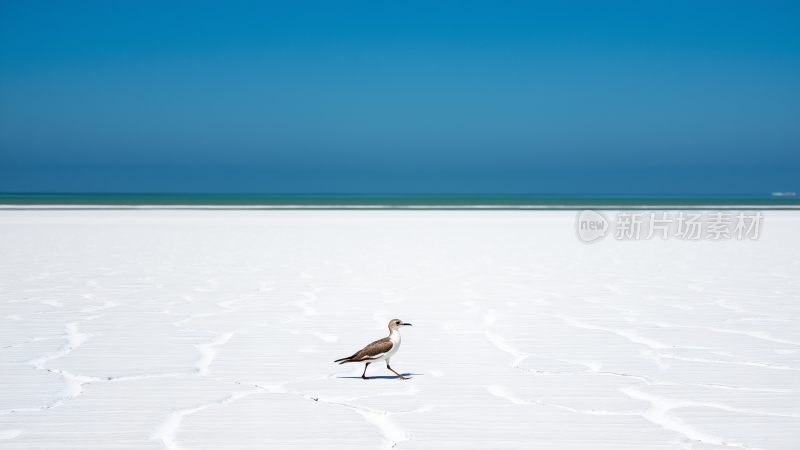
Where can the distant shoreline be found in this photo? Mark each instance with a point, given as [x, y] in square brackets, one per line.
[388, 207]
[389, 201]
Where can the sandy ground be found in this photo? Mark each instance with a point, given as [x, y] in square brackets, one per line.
[218, 330]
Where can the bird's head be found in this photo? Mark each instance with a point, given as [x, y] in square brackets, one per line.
[397, 323]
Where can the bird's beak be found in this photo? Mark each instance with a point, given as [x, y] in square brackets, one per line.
[407, 324]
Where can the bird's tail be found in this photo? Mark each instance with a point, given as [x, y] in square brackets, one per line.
[344, 360]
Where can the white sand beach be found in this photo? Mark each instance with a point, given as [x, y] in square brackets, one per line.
[163, 329]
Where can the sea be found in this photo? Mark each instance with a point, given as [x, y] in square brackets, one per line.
[393, 201]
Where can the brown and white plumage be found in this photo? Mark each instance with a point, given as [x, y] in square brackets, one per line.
[380, 350]
[370, 352]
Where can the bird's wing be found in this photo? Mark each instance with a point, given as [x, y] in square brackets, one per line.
[373, 350]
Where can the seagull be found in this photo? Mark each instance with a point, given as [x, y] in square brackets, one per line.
[380, 350]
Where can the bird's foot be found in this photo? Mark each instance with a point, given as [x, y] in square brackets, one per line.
[404, 378]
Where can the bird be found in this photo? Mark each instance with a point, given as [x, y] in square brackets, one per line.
[380, 350]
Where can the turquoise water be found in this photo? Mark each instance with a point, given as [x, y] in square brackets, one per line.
[393, 200]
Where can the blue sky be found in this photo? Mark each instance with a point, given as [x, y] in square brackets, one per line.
[400, 97]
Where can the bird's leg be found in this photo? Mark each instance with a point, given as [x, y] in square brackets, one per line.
[395, 372]
[364, 375]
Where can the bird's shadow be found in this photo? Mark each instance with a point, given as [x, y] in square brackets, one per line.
[386, 377]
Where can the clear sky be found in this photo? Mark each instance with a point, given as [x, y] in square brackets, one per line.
[640, 97]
